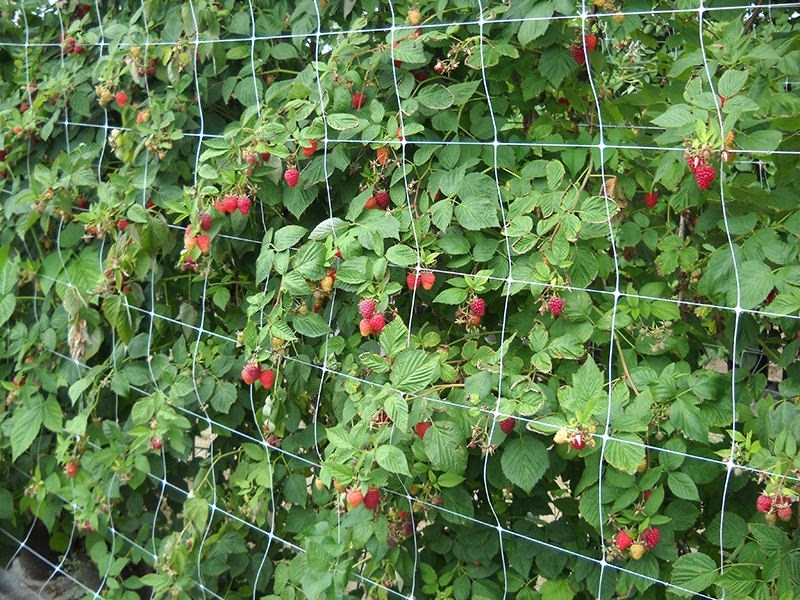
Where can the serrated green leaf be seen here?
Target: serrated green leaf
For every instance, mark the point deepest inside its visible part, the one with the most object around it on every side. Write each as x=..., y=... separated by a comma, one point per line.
x=524, y=461
x=625, y=456
x=445, y=447
x=342, y=121
x=25, y=426
x=676, y=116
x=693, y=572
x=682, y=486
x=402, y=255
x=414, y=370
x=310, y=325
x=392, y=459
x=731, y=82
x=451, y=296
x=288, y=236
x=435, y=96
x=393, y=338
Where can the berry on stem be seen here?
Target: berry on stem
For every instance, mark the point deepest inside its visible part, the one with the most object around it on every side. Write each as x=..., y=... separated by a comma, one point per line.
x=478, y=307
x=372, y=498
x=623, y=540
x=358, y=100
x=355, y=497
x=704, y=175
x=251, y=373
x=412, y=280
x=267, y=378
x=377, y=322
x=382, y=199
x=422, y=427
x=367, y=308
x=555, y=305
x=763, y=503
x=121, y=98
x=651, y=536
x=206, y=221
x=507, y=425
x=651, y=199
x=291, y=176
x=427, y=279
x=243, y=203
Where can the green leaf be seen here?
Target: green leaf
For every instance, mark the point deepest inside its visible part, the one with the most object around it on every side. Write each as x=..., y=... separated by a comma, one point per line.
x=342, y=121
x=310, y=325
x=329, y=227
x=524, y=461
x=476, y=213
x=392, y=459
x=414, y=370
x=536, y=22
x=731, y=82
x=402, y=255
x=625, y=456
x=693, y=573
x=119, y=314
x=435, y=96
x=394, y=337
x=445, y=447
x=451, y=296
x=676, y=116
x=288, y=236
x=555, y=64
x=223, y=398
x=25, y=426
x=682, y=486
x=756, y=282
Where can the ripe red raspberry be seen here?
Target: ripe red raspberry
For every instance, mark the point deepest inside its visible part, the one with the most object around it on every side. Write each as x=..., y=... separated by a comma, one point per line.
x=156, y=443
x=427, y=279
x=507, y=425
x=578, y=55
x=381, y=199
x=364, y=327
x=267, y=378
x=358, y=100
x=121, y=99
x=623, y=541
x=372, y=498
x=122, y=224
x=243, y=203
x=704, y=175
x=578, y=441
x=478, y=307
x=291, y=176
x=784, y=513
x=412, y=280
x=71, y=469
x=651, y=199
x=206, y=221
x=226, y=205
x=204, y=243
x=422, y=427
x=309, y=150
x=556, y=305
x=763, y=503
x=250, y=373
x=367, y=308
x=590, y=41
x=650, y=537
x=377, y=322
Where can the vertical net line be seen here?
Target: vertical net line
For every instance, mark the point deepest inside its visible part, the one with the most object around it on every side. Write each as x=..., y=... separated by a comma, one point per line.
x=606, y=191
x=737, y=310
x=506, y=297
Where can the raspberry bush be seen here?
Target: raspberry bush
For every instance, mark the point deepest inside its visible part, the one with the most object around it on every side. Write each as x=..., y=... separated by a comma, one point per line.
x=386, y=295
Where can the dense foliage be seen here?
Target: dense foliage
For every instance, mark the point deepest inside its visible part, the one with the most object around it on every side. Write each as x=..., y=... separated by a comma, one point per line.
x=357, y=298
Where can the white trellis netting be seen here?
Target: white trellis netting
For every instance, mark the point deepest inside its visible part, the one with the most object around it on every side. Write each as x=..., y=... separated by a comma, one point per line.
x=549, y=249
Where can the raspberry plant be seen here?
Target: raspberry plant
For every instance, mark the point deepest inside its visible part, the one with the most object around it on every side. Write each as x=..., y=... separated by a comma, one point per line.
x=407, y=256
